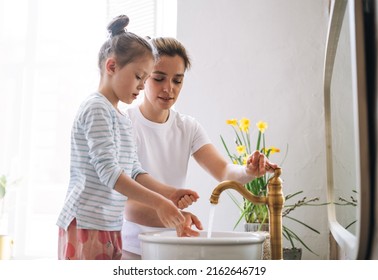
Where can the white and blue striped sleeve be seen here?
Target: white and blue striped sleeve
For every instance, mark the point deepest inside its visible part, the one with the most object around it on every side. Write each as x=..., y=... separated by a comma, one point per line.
x=97, y=124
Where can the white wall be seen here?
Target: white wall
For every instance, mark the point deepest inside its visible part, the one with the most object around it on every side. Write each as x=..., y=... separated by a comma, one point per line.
x=260, y=60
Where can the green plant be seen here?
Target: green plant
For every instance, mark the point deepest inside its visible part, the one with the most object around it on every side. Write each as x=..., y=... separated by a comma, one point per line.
x=351, y=201
x=251, y=212
x=289, y=234
x=3, y=185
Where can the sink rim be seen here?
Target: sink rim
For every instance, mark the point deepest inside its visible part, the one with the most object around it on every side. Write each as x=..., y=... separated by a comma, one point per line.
x=217, y=237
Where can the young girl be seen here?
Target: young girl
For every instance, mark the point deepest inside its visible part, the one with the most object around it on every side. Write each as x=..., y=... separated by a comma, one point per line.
x=178, y=137
x=104, y=165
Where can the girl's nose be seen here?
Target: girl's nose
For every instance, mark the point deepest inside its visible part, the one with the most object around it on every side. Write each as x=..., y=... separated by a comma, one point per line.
x=140, y=86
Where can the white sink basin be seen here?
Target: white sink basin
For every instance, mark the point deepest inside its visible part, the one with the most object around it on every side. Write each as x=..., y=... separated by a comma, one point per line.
x=165, y=245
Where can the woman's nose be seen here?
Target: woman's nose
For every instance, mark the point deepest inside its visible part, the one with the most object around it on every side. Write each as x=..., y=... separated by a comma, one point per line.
x=168, y=86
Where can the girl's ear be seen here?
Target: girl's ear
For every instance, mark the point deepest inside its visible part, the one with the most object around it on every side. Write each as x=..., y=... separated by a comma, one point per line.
x=110, y=65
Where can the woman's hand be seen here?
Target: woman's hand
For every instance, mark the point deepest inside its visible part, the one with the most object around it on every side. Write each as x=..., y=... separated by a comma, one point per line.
x=183, y=198
x=185, y=228
x=258, y=165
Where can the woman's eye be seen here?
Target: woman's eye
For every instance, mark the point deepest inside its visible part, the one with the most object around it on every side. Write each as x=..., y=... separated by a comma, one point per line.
x=138, y=77
x=158, y=79
x=177, y=81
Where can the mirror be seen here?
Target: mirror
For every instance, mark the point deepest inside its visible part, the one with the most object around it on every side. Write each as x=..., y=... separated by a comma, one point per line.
x=347, y=139
x=344, y=149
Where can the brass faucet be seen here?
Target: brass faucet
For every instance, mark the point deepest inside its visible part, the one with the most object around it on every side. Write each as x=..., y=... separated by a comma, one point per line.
x=275, y=201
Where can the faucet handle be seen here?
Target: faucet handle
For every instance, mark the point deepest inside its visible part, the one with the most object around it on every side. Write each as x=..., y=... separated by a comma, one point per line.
x=277, y=172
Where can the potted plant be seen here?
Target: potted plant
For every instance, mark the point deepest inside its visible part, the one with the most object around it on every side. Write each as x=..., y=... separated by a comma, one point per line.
x=6, y=242
x=251, y=213
x=258, y=215
x=294, y=252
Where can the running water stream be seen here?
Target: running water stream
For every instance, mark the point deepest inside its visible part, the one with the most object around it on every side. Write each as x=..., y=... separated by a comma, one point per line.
x=211, y=220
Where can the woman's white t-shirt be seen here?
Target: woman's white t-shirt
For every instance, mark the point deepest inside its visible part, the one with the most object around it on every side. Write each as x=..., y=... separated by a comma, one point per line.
x=164, y=150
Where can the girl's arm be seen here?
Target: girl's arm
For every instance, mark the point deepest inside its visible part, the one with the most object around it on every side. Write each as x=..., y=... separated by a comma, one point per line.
x=167, y=212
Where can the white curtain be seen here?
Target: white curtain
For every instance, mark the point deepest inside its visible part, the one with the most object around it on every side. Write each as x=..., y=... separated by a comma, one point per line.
x=48, y=65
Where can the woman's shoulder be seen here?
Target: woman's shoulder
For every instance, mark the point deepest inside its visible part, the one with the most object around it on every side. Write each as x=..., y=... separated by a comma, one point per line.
x=184, y=119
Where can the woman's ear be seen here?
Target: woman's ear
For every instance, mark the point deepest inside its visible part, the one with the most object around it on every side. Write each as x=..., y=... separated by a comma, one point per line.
x=110, y=65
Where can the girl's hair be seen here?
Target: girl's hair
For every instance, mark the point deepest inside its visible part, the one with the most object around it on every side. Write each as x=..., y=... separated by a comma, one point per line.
x=125, y=46
x=170, y=47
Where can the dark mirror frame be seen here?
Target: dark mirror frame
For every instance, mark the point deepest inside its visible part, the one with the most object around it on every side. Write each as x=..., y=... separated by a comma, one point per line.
x=346, y=245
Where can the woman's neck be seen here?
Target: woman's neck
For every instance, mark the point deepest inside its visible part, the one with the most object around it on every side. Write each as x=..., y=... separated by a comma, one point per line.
x=157, y=116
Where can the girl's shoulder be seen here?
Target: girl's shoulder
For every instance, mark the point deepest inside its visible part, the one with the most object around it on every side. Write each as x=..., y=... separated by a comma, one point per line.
x=95, y=103
x=96, y=100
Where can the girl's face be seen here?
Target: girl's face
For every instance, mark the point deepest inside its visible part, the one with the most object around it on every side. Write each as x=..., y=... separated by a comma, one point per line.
x=129, y=80
x=164, y=85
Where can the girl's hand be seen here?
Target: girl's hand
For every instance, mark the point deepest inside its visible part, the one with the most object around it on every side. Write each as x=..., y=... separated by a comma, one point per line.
x=258, y=165
x=183, y=198
x=185, y=228
x=169, y=214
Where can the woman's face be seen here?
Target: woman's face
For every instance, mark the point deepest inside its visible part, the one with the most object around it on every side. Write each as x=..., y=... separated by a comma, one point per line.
x=164, y=85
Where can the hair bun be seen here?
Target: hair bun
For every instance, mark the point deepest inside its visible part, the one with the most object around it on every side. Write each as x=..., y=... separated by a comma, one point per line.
x=118, y=24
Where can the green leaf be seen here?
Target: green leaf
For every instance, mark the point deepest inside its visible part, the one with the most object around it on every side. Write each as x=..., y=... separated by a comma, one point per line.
x=258, y=141
x=2, y=191
x=352, y=223
x=302, y=223
x=225, y=146
x=287, y=197
x=296, y=237
x=3, y=184
x=3, y=181
x=238, y=141
x=248, y=142
x=287, y=235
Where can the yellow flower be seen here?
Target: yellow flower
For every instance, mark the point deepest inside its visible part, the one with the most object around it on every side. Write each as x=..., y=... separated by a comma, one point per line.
x=233, y=122
x=244, y=124
x=245, y=160
x=274, y=150
x=240, y=149
x=262, y=126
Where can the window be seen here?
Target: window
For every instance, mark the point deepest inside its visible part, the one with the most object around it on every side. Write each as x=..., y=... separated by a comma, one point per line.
x=48, y=66
x=147, y=17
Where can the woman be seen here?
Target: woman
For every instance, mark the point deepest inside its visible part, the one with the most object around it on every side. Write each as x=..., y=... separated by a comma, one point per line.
x=166, y=139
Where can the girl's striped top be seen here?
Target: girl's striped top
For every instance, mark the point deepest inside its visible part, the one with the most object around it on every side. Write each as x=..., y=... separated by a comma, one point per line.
x=102, y=147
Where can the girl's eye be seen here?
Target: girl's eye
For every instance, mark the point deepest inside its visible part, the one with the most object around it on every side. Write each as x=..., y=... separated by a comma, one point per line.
x=177, y=81
x=138, y=77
